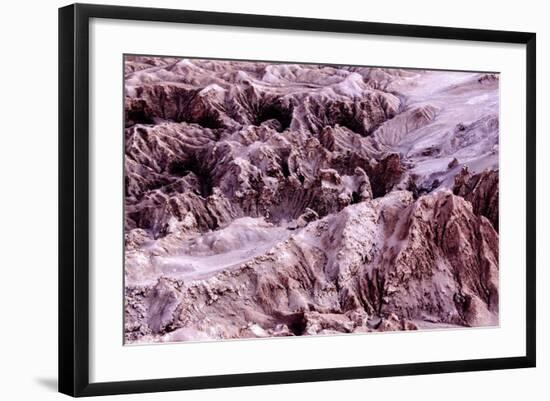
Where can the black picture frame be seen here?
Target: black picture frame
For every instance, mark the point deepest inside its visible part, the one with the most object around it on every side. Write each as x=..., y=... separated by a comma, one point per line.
x=74, y=194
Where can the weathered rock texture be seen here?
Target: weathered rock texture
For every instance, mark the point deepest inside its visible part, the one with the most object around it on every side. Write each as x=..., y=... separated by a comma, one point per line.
x=481, y=190
x=279, y=200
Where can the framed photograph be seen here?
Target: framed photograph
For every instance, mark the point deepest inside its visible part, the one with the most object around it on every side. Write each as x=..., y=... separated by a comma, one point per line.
x=251, y=199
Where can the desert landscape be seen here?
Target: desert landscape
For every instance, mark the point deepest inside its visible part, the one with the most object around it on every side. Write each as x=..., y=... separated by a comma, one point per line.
x=270, y=199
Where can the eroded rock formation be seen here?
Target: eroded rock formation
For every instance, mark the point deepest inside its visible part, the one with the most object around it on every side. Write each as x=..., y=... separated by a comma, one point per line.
x=276, y=200
x=481, y=190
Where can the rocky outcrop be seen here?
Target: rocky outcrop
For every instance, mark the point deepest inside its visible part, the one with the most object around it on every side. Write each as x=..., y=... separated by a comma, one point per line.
x=481, y=190
x=279, y=200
